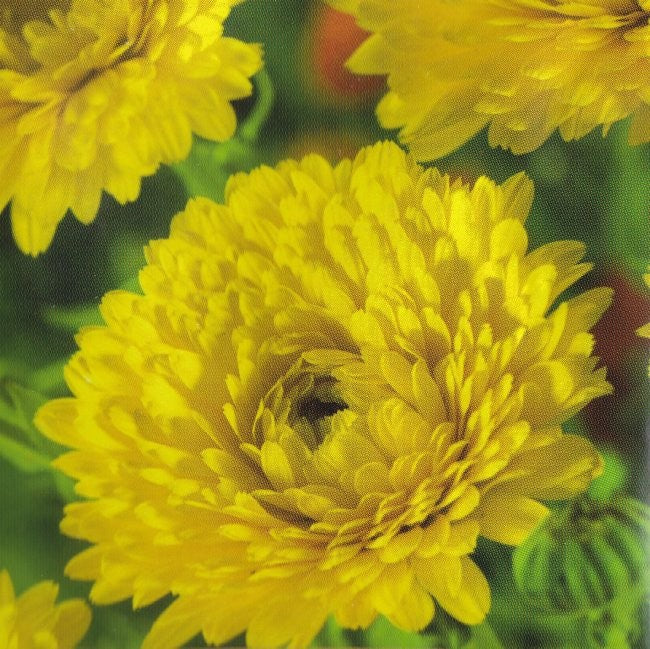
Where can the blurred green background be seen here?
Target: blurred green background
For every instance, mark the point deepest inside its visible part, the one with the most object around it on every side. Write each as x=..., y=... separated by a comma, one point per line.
x=596, y=190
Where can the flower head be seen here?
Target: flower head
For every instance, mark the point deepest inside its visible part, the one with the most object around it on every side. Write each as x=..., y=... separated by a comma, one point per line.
x=331, y=386
x=523, y=67
x=34, y=621
x=94, y=95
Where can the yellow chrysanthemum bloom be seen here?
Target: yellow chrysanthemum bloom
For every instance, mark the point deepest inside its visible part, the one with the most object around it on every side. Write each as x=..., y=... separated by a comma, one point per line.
x=331, y=386
x=94, y=95
x=645, y=330
x=34, y=621
x=523, y=67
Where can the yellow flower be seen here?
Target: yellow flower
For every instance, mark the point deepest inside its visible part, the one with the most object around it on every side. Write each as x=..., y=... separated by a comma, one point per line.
x=331, y=386
x=33, y=621
x=95, y=94
x=645, y=330
x=523, y=67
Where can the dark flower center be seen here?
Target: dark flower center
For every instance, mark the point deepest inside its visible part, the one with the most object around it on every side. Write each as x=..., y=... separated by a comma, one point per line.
x=314, y=408
x=303, y=400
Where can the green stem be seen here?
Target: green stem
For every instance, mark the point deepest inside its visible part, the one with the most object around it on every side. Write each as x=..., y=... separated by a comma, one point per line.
x=627, y=213
x=250, y=128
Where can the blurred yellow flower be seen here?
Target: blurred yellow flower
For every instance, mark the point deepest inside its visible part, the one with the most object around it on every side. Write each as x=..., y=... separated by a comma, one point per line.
x=523, y=67
x=645, y=330
x=95, y=94
x=33, y=621
x=331, y=386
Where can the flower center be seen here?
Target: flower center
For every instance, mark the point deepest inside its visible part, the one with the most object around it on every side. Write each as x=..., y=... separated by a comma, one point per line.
x=313, y=409
x=302, y=401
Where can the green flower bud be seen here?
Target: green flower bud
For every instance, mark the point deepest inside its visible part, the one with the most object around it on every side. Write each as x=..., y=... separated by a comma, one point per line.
x=587, y=555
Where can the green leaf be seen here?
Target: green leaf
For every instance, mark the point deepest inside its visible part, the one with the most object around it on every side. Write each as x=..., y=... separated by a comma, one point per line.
x=615, y=477
x=383, y=634
x=25, y=403
x=23, y=457
x=21, y=444
x=250, y=129
x=120, y=626
x=205, y=171
x=72, y=318
x=9, y=416
x=49, y=378
x=18, y=406
x=331, y=635
x=447, y=632
x=484, y=637
x=443, y=633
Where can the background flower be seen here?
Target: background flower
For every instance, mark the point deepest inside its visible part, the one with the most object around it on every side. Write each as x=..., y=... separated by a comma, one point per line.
x=34, y=621
x=523, y=68
x=94, y=95
x=330, y=388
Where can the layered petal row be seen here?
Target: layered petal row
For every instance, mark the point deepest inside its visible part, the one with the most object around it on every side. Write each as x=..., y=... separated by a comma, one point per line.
x=330, y=386
x=95, y=95
x=522, y=67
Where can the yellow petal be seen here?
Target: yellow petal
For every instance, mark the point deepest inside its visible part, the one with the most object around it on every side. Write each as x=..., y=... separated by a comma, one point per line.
x=470, y=602
x=508, y=518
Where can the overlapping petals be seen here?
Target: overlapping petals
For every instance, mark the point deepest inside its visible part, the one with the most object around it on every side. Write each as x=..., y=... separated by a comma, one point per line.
x=330, y=387
x=522, y=67
x=34, y=621
x=95, y=94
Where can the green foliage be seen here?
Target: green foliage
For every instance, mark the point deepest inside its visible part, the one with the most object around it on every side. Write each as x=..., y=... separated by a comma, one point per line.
x=381, y=633
x=614, y=479
x=209, y=165
x=21, y=444
x=73, y=318
x=448, y=633
x=443, y=633
x=626, y=216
